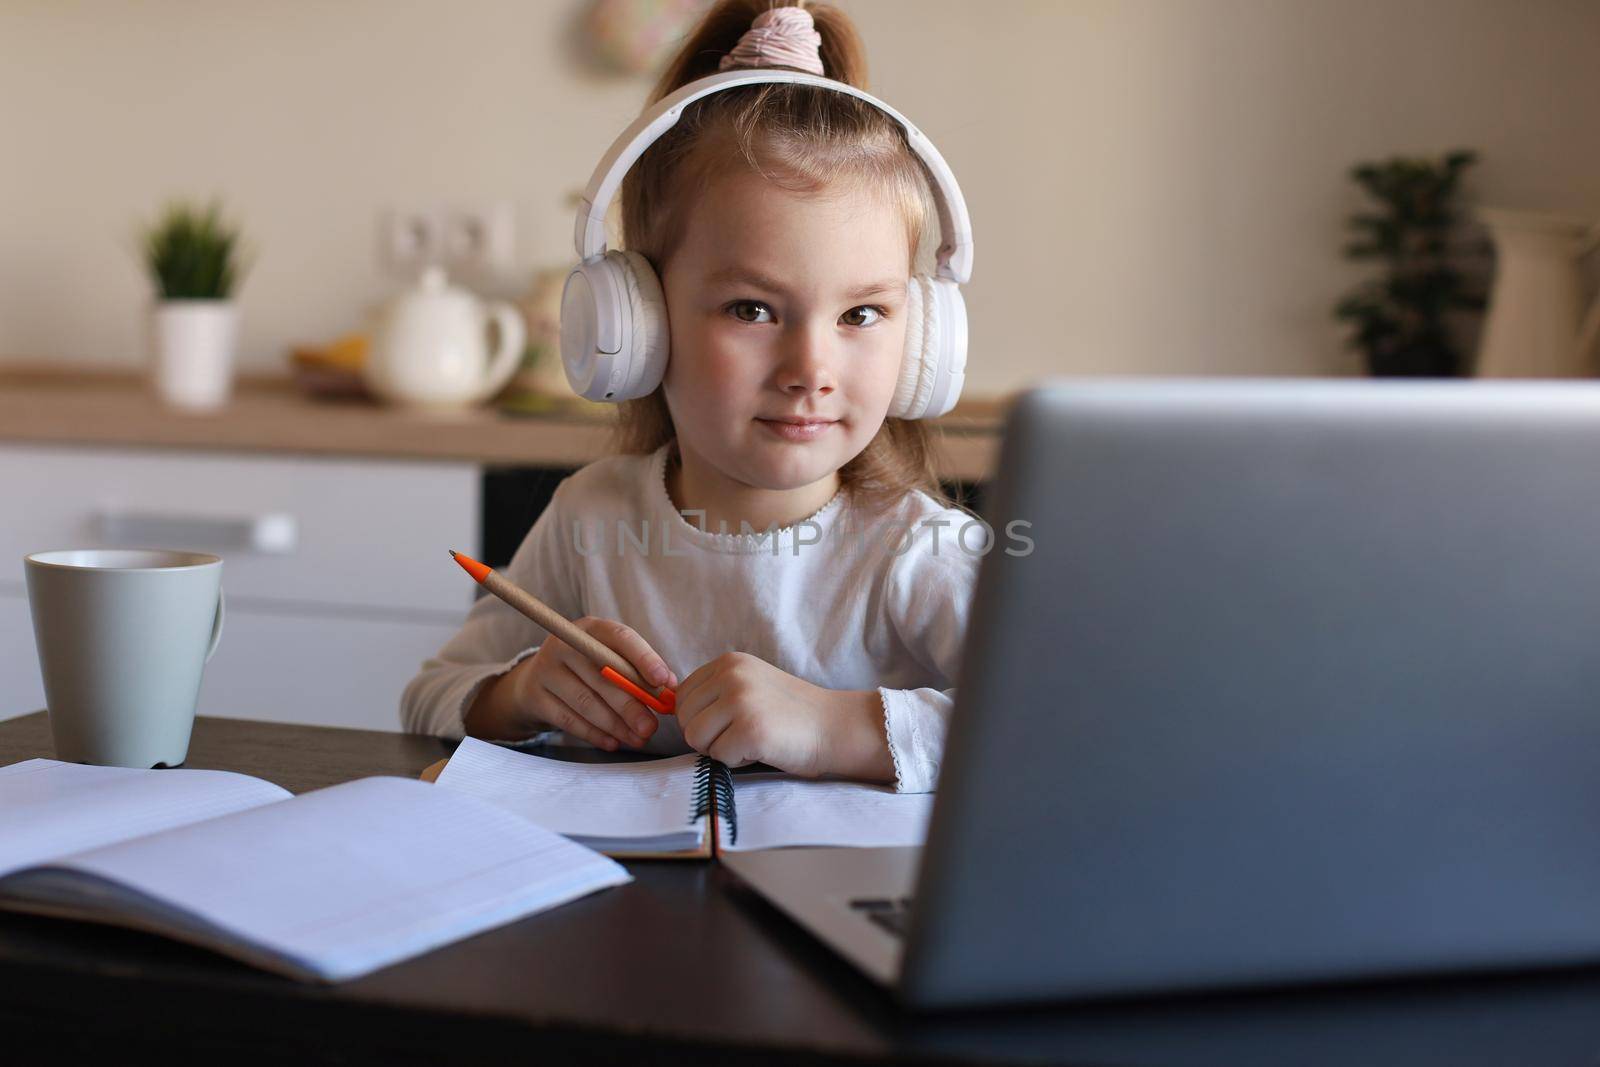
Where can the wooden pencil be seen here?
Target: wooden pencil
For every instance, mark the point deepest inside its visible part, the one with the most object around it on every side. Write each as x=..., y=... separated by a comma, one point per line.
x=600, y=654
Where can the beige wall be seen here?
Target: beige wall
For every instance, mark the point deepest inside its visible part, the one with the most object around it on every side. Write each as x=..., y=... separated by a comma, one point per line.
x=1157, y=186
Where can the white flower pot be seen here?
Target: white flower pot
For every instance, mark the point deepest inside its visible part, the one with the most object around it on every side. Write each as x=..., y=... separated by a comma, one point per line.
x=192, y=343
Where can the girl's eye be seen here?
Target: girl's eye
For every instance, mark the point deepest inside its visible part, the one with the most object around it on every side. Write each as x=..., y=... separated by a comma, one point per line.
x=750, y=311
x=853, y=317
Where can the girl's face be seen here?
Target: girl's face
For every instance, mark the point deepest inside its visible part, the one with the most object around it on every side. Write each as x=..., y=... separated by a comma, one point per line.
x=787, y=319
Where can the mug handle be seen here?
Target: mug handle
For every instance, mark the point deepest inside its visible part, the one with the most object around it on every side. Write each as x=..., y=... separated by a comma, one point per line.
x=216, y=624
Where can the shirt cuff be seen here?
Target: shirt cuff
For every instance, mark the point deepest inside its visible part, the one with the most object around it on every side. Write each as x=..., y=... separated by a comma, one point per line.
x=914, y=722
x=472, y=684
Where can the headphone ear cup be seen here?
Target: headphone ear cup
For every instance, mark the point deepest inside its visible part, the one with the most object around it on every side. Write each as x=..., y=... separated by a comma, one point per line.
x=647, y=312
x=613, y=302
x=934, y=365
x=950, y=366
x=906, y=386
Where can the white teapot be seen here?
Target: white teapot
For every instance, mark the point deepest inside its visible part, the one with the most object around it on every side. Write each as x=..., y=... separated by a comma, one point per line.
x=430, y=346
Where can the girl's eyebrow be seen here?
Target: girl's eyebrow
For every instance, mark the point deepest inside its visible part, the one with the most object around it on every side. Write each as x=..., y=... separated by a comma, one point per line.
x=746, y=276
x=891, y=287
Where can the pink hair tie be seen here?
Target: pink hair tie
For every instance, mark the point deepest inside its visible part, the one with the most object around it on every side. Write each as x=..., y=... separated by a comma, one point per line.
x=779, y=37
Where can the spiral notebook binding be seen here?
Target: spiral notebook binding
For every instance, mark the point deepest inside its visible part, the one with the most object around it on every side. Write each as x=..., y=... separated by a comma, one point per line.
x=713, y=793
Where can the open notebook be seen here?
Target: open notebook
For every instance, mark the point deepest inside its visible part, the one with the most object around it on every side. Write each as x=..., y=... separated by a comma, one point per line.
x=328, y=885
x=684, y=806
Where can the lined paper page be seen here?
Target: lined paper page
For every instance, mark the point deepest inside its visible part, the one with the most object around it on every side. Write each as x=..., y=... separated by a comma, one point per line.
x=776, y=811
x=50, y=809
x=649, y=800
x=343, y=880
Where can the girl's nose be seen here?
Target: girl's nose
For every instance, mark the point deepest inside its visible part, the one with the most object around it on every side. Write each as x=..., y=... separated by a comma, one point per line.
x=807, y=365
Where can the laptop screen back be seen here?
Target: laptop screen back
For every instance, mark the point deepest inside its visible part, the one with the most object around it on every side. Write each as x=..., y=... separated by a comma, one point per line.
x=1298, y=680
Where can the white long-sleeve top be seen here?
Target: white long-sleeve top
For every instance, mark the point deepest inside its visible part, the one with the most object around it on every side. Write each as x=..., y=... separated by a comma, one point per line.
x=846, y=599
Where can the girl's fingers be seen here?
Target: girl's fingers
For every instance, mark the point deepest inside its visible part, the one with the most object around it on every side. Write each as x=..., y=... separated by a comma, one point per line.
x=639, y=719
x=729, y=748
x=706, y=725
x=696, y=678
x=554, y=711
x=585, y=706
x=633, y=648
x=694, y=696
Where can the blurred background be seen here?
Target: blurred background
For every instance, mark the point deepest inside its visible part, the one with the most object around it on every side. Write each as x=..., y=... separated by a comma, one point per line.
x=1157, y=187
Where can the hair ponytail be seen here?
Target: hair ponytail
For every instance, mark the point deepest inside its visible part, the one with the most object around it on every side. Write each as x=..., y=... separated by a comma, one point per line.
x=844, y=56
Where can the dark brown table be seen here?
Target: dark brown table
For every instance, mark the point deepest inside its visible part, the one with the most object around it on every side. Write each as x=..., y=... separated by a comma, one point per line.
x=679, y=966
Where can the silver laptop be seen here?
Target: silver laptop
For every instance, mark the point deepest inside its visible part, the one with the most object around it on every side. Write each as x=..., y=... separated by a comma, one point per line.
x=1300, y=681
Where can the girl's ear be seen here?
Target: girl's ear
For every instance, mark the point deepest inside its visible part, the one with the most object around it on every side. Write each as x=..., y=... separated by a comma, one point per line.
x=614, y=336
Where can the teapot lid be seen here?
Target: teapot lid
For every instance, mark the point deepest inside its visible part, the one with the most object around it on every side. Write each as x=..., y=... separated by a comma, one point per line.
x=431, y=290
x=433, y=284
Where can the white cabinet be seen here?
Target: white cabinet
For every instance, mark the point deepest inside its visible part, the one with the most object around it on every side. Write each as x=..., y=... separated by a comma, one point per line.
x=331, y=670
x=20, y=688
x=336, y=571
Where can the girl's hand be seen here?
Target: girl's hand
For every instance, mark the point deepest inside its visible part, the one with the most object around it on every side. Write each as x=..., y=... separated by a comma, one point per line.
x=741, y=709
x=558, y=687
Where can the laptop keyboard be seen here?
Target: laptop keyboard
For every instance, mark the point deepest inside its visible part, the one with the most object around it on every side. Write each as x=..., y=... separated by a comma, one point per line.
x=891, y=913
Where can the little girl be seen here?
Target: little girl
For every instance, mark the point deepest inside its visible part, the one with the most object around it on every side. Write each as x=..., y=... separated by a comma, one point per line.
x=767, y=529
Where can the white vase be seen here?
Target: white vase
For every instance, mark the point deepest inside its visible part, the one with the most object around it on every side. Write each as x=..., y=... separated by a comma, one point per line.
x=1537, y=326
x=192, y=343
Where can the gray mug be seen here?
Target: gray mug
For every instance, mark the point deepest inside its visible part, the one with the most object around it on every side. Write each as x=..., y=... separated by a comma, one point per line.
x=123, y=635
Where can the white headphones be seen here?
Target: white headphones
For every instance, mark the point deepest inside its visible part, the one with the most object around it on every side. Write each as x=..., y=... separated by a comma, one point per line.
x=614, y=318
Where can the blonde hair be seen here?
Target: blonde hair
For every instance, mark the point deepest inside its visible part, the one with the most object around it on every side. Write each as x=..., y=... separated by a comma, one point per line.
x=803, y=139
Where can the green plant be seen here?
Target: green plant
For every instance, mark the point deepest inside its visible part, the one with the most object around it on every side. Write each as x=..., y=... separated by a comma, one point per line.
x=1402, y=318
x=192, y=253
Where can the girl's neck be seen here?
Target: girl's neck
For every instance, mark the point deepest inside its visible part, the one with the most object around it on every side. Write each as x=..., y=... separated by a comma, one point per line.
x=695, y=485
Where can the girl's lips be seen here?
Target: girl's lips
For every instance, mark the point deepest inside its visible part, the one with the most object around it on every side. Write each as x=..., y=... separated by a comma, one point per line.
x=797, y=431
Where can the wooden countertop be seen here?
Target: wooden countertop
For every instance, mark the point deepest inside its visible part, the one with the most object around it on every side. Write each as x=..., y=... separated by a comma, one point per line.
x=97, y=407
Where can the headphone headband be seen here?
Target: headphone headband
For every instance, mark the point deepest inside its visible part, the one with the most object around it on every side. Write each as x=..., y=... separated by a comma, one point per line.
x=589, y=233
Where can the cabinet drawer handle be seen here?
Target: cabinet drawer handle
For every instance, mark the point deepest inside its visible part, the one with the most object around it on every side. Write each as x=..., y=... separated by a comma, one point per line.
x=273, y=533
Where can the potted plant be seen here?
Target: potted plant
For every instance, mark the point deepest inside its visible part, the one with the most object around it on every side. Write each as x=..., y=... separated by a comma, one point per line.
x=1403, y=318
x=193, y=258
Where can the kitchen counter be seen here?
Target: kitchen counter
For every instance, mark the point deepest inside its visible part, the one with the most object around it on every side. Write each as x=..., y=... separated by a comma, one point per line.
x=267, y=414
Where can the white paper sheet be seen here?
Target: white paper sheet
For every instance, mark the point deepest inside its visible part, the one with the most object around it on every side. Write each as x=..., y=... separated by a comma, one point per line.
x=645, y=802
x=50, y=809
x=350, y=878
x=604, y=803
x=776, y=811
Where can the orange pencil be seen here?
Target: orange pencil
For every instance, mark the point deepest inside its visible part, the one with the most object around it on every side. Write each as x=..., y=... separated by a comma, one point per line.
x=613, y=668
